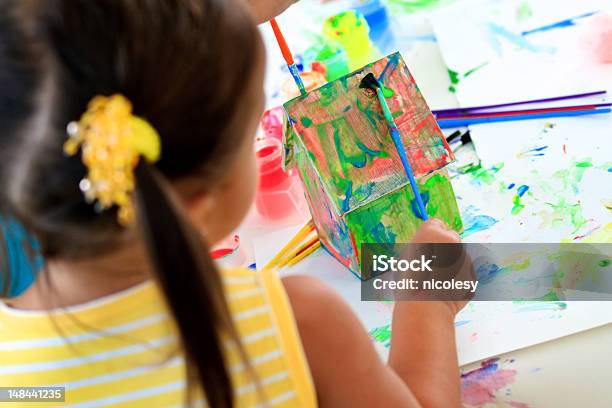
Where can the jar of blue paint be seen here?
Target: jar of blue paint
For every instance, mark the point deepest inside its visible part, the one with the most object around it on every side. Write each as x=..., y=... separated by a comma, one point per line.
x=377, y=17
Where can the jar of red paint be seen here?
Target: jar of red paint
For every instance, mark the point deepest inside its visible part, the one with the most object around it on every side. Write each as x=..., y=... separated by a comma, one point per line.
x=279, y=194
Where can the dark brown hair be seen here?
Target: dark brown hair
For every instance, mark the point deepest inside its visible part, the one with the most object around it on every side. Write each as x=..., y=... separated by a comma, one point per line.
x=183, y=65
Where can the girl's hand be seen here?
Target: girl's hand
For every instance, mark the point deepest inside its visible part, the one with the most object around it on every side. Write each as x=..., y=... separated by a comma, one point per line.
x=434, y=231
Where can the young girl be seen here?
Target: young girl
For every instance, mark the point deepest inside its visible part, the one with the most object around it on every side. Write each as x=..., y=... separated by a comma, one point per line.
x=131, y=125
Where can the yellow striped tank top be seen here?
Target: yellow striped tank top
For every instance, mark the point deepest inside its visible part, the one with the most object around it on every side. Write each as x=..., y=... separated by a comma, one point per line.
x=123, y=350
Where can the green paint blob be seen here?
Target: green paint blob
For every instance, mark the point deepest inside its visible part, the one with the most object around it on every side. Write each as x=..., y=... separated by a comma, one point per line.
x=306, y=121
x=414, y=6
x=524, y=12
x=480, y=175
x=350, y=29
x=518, y=206
x=471, y=71
x=381, y=334
x=562, y=211
x=454, y=79
x=549, y=297
x=584, y=164
x=455, y=76
x=387, y=92
x=604, y=263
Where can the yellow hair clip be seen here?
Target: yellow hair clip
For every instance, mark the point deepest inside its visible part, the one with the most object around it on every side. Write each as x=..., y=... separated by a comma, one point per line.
x=112, y=140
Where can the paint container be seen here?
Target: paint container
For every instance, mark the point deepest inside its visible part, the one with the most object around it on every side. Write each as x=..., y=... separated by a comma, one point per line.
x=351, y=30
x=280, y=196
x=228, y=253
x=272, y=123
x=332, y=56
x=311, y=79
x=377, y=17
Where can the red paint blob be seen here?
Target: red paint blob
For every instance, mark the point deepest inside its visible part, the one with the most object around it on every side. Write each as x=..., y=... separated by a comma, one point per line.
x=598, y=38
x=226, y=247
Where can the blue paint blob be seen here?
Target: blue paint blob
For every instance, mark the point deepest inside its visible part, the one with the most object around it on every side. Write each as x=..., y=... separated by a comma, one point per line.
x=382, y=233
x=487, y=369
x=348, y=194
x=461, y=322
x=610, y=170
x=253, y=266
x=415, y=206
x=511, y=186
x=485, y=273
x=360, y=164
x=296, y=77
x=391, y=65
x=474, y=222
x=499, y=31
x=365, y=191
x=539, y=149
x=522, y=190
x=477, y=224
x=560, y=24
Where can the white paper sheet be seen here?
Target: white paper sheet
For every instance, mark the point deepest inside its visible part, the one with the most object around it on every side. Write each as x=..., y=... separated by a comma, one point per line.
x=522, y=67
x=483, y=329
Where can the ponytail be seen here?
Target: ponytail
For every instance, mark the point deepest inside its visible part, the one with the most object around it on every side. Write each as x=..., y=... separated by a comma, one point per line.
x=191, y=284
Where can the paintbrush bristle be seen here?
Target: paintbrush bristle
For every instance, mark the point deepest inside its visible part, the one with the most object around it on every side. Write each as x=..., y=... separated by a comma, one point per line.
x=369, y=82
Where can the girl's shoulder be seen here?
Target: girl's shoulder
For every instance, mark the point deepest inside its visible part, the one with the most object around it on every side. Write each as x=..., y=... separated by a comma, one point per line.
x=265, y=323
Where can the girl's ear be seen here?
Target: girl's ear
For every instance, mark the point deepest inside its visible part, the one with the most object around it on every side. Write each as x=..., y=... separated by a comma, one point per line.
x=200, y=207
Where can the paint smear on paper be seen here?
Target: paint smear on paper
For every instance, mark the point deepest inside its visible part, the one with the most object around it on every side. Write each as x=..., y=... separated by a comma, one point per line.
x=474, y=222
x=534, y=152
x=479, y=175
x=480, y=386
x=454, y=80
x=559, y=24
x=562, y=212
x=497, y=32
x=455, y=77
x=487, y=272
x=516, y=201
x=537, y=306
x=413, y=6
x=601, y=38
x=382, y=335
x=523, y=12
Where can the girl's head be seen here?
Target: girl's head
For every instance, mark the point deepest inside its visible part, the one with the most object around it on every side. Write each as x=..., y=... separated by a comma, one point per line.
x=193, y=69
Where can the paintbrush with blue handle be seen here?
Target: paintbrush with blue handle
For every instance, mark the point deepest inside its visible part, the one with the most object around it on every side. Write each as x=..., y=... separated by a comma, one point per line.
x=282, y=44
x=370, y=82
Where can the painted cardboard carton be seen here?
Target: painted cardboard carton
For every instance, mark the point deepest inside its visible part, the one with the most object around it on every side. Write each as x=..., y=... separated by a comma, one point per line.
x=356, y=187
